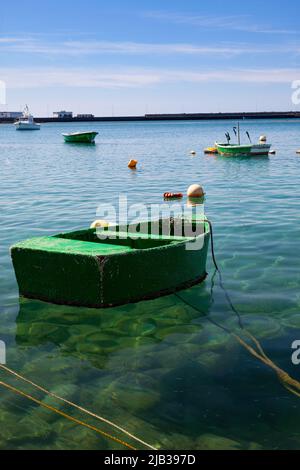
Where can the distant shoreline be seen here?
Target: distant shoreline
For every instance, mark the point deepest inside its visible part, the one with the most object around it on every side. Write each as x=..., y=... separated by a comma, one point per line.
x=171, y=117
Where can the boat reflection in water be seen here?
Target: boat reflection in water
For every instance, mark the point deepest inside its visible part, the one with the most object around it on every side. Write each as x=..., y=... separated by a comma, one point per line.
x=99, y=336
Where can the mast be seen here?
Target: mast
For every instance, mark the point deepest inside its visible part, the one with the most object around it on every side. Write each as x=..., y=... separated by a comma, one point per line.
x=239, y=134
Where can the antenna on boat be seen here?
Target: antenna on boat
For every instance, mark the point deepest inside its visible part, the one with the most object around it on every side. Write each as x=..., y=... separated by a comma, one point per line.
x=248, y=135
x=26, y=110
x=239, y=134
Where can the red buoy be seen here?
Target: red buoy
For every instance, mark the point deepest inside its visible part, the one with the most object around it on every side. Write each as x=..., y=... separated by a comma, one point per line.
x=173, y=195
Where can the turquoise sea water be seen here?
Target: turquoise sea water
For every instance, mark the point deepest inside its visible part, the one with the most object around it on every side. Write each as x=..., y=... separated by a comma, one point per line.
x=161, y=369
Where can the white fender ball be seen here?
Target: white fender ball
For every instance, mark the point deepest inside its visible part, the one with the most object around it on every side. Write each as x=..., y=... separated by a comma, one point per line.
x=195, y=190
x=100, y=224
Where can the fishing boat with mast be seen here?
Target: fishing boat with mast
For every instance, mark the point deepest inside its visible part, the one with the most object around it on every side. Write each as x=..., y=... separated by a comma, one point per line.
x=26, y=122
x=243, y=150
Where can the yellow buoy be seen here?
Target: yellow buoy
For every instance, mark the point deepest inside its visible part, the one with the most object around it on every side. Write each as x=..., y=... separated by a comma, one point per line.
x=100, y=224
x=211, y=150
x=132, y=164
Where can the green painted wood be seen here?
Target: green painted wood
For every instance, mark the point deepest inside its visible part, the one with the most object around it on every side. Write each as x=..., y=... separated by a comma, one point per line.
x=78, y=268
x=83, y=138
x=234, y=150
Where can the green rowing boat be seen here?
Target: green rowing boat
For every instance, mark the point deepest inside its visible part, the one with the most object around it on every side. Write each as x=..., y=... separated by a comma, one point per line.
x=108, y=266
x=81, y=137
x=228, y=150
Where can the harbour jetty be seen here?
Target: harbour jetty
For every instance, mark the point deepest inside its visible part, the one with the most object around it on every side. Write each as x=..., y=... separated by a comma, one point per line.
x=168, y=117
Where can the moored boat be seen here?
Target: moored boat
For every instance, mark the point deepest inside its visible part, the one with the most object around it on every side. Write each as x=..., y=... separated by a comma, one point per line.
x=81, y=137
x=113, y=265
x=27, y=122
x=242, y=150
x=234, y=150
x=260, y=149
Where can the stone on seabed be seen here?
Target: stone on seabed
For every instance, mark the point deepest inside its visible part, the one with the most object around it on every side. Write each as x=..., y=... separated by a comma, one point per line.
x=213, y=442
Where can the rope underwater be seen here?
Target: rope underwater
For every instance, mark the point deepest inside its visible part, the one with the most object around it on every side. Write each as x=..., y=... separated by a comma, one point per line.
x=74, y=405
x=80, y=408
x=292, y=385
x=65, y=415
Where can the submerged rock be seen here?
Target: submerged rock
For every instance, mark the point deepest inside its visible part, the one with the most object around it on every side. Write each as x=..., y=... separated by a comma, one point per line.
x=292, y=321
x=175, y=441
x=262, y=327
x=135, y=399
x=133, y=392
x=74, y=436
x=177, y=334
x=136, y=327
x=210, y=360
x=214, y=442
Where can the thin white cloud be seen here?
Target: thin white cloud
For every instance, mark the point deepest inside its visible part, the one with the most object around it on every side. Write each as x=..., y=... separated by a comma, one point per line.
x=234, y=22
x=78, y=78
x=8, y=40
x=133, y=48
x=137, y=77
x=83, y=48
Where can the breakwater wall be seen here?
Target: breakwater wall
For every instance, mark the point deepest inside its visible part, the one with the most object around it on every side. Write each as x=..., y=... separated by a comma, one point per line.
x=172, y=117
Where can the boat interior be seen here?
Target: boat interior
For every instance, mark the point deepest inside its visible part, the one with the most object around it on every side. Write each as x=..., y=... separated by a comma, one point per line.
x=142, y=235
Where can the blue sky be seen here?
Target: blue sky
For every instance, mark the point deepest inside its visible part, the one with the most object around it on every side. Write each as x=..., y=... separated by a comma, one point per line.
x=131, y=57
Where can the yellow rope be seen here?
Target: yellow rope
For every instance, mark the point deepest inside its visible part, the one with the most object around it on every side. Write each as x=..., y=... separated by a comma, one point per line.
x=65, y=415
x=257, y=343
x=287, y=381
x=292, y=391
x=84, y=410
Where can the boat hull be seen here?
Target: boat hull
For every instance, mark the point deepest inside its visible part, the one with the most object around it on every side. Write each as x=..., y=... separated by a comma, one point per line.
x=81, y=138
x=243, y=150
x=234, y=150
x=79, y=269
x=260, y=149
x=27, y=127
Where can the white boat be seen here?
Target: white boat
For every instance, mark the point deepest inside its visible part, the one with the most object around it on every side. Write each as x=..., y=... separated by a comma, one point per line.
x=260, y=149
x=26, y=122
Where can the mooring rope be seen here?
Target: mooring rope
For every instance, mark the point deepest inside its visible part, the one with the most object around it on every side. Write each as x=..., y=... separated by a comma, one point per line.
x=286, y=380
x=218, y=270
x=74, y=405
x=65, y=415
x=292, y=385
